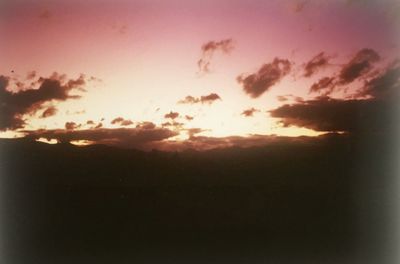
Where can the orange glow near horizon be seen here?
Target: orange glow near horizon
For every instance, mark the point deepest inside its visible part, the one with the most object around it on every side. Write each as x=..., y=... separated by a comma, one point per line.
x=146, y=57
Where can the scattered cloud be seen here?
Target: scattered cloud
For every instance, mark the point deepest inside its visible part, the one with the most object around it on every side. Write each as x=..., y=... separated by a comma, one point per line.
x=384, y=85
x=360, y=64
x=318, y=62
x=358, y=68
x=208, y=49
x=249, y=112
x=285, y=98
x=325, y=85
x=121, y=121
x=373, y=114
x=15, y=103
x=268, y=75
x=209, y=99
x=71, y=125
x=172, y=115
x=50, y=111
x=146, y=125
x=175, y=125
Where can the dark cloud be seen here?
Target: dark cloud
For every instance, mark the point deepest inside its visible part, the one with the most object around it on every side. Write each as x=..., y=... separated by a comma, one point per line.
x=15, y=104
x=324, y=85
x=249, y=112
x=71, y=125
x=212, y=97
x=146, y=125
x=268, y=75
x=123, y=137
x=384, y=85
x=189, y=100
x=121, y=121
x=90, y=122
x=358, y=68
x=327, y=114
x=172, y=115
x=360, y=64
x=285, y=98
x=174, y=125
x=208, y=49
x=50, y=111
x=315, y=64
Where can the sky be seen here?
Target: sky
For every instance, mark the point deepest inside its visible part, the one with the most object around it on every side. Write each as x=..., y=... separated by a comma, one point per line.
x=195, y=74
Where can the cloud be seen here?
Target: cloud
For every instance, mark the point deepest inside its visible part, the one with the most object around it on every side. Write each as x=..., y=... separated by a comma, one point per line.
x=315, y=64
x=285, y=98
x=146, y=125
x=171, y=115
x=357, y=68
x=121, y=121
x=71, y=125
x=123, y=137
x=249, y=112
x=90, y=122
x=176, y=125
x=325, y=85
x=14, y=104
x=384, y=85
x=211, y=98
x=328, y=114
x=208, y=49
x=50, y=111
x=360, y=64
x=268, y=75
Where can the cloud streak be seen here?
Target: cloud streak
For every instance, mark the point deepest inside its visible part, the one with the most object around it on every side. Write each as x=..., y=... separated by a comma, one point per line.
x=267, y=76
x=122, y=137
x=208, y=50
x=206, y=99
x=315, y=64
x=121, y=121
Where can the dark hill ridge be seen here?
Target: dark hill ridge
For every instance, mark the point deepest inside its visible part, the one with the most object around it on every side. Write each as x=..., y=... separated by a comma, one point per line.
x=313, y=200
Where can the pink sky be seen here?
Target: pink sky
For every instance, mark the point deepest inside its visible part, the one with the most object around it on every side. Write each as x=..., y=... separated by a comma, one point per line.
x=144, y=54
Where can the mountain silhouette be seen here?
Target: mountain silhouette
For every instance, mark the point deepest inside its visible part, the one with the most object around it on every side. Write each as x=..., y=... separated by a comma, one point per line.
x=314, y=200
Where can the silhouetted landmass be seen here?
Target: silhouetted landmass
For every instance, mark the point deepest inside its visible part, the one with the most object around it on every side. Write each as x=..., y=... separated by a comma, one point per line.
x=322, y=200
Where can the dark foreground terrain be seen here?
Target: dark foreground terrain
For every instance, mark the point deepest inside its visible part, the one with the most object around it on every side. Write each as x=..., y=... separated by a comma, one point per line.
x=325, y=200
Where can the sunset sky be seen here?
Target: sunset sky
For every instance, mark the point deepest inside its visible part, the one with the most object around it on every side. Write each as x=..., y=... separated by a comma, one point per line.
x=198, y=74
